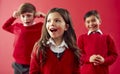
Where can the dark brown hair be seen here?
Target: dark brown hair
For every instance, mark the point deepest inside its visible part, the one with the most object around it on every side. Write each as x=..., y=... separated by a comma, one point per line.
x=90, y=13
x=27, y=7
x=69, y=35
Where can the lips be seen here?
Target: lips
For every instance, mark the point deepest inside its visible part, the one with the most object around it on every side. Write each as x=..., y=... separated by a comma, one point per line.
x=53, y=30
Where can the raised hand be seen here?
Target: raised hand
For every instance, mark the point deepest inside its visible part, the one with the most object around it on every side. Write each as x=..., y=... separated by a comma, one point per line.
x=16, y=14
x=40, y=14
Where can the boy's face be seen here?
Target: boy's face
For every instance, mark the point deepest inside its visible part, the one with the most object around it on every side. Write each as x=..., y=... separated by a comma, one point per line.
x=92, y=23
x=27, y=18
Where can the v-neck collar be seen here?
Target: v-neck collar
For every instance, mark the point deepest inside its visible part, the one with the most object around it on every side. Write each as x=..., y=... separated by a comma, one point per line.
x=54, y=56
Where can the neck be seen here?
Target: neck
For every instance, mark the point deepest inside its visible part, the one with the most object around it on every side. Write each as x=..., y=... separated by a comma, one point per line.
x=58, y=41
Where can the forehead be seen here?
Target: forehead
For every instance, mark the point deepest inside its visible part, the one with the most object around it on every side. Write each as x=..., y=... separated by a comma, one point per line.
x=54, y=15
x=27, y=13
x=91, y=17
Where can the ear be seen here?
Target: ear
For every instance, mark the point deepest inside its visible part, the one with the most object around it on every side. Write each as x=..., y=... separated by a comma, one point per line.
x=66, y=27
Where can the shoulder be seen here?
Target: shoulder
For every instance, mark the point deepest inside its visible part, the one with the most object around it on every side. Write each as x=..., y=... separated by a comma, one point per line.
x=82, y=35
x=85, y=34
x=39, y=23
x=36, y=48
x=107, y=35
x=18, y=25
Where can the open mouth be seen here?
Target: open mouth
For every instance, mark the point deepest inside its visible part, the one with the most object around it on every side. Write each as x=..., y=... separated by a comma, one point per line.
x=53, y=30
x=27, y=22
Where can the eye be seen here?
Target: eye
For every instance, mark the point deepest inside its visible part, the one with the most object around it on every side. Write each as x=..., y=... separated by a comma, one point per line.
x=93, y=20
x=57, y=20
x=23, y=16
x=48, y=21
x=29, y=15
x=88, y=22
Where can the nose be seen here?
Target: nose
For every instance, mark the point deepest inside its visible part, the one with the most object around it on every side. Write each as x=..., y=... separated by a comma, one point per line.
x=26, y=18
x=91, y=23
x=52, y=23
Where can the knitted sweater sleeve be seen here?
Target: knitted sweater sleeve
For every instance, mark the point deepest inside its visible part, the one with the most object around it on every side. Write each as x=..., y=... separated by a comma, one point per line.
x=8, y=24
x=84, y=58
x=112, y=52
x=35, y=62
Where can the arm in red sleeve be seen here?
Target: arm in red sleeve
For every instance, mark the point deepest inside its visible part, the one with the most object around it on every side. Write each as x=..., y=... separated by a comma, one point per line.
x=35, y=62
x=112, y=52
x=8, y=25
x=84, y=58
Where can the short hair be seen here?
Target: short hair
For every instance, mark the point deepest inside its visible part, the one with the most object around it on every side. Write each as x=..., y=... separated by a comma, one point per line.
x=90, y=13
x=27, y=7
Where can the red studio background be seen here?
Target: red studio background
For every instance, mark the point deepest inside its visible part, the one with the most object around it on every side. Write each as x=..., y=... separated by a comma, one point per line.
x=108, y=9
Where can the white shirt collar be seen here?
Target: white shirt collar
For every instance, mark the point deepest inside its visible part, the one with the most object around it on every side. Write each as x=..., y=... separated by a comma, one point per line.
x=51, y=42
x=57, y=49
x=89, y=32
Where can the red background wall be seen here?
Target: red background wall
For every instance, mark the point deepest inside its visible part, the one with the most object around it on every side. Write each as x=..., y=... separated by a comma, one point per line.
x=108, y=9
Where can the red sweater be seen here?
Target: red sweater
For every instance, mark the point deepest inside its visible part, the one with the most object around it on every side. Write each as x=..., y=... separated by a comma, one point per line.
x=25, y=37
x=96, y=44
x=66, y=65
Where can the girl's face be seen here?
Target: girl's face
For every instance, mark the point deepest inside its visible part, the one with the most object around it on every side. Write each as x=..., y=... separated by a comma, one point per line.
x=92, y=23
x=27, y=18
x=55, y=25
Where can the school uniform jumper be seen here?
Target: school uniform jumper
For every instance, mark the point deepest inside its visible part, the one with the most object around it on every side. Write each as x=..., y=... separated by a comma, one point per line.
x=25, y=37
x=96, y=44
x=53, y=65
